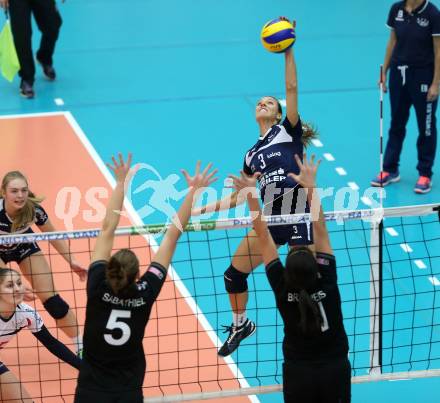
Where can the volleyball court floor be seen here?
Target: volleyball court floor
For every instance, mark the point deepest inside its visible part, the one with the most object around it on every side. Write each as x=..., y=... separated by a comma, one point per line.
x=176, y=82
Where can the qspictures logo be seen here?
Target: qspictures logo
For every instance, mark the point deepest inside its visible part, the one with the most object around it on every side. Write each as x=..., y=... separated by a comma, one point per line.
x=156, y=199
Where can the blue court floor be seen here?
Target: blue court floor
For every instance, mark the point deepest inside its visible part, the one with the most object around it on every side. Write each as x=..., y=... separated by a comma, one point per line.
x=176, y=81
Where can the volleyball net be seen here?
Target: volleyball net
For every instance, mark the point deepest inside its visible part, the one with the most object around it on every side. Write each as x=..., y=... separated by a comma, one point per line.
x=389, y=278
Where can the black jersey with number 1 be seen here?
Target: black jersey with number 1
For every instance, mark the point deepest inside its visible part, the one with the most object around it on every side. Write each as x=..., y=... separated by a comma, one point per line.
x=332, y=341
x=114, y=357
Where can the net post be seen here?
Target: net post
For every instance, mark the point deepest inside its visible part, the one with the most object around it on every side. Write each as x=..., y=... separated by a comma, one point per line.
x=381, y=91
x=376, y=259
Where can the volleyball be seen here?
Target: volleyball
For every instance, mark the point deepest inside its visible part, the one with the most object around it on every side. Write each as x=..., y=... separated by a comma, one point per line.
x=278, y=35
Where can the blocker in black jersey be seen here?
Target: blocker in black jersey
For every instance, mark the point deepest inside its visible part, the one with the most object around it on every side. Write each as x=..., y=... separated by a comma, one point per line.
x=315, y=346
x=317, y=365
x=114, y=357
x=118, y=305
x=332, y=341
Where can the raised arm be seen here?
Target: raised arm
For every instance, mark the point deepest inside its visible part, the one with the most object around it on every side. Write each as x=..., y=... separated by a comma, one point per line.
x=245, y=185
x=307, y=179
x=228, y=202
x=168, y=245
x=291, y=86
x=104, y=242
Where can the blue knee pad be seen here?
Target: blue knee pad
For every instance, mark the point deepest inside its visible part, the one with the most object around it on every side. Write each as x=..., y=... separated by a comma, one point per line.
x=56, y=306
x=235, y=281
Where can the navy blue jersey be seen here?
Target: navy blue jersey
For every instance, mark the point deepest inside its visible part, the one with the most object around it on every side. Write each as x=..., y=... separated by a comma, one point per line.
x=6, y=225
x=272, y=156
x=332, y=341
x=414, y=32
x=114, y=357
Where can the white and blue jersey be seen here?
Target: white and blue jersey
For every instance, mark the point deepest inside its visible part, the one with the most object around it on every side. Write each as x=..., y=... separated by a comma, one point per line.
x=273, y=157
x=24, y=316
x=19, y=252
x=27, y=317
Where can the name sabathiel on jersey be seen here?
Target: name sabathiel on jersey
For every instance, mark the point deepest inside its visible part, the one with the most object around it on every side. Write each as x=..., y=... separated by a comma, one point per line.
x=126, y=303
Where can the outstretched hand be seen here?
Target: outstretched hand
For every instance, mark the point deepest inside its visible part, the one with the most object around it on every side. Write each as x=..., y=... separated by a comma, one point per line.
x=200, y=179
x=120, y=168
x=293, y=22
x=245, y=181
x=307, y=171
x=80, y=271
x=289, y=51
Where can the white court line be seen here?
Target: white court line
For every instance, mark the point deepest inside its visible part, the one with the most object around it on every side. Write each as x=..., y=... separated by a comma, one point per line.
x=328, y=157
x=32, y=115
x=420, y=264
x=282, y=102
x=391, y=231
x=399, y=380
x=366, y=200
x=317, y=143
x=406, y=247
x=152, y=242
x=434, y=280
x=341, y=171
x=353, y=185
x=58, y=101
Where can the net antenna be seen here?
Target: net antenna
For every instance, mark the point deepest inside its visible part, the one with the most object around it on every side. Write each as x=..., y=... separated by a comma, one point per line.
x=381, y=91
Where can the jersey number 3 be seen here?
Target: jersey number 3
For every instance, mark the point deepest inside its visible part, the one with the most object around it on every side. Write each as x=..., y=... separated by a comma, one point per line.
x=263, y=163
x=114, y=323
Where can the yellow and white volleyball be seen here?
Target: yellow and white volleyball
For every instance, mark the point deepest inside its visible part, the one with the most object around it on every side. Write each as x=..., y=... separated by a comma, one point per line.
x=278, y=35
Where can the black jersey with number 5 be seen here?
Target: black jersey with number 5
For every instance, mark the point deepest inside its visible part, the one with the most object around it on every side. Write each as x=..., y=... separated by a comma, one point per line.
x=114, y=328
x=332, y=340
